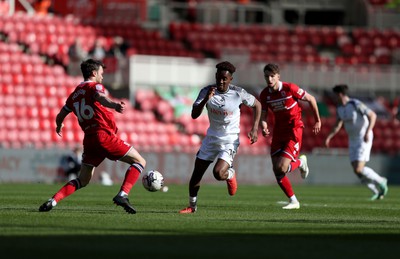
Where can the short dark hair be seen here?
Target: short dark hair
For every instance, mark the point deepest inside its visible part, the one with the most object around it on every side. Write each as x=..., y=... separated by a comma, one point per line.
x=90, y=65
x=273, y=68
x=226, y=66
x=340, y=89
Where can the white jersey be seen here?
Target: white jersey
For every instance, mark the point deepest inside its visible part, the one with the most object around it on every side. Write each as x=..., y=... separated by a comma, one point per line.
x=354, y=117
x=355, y=121
x=224, y=109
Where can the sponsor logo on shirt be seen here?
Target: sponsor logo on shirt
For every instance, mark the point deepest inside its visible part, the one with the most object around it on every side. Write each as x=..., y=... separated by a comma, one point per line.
x=221, y=112
x=278, y=105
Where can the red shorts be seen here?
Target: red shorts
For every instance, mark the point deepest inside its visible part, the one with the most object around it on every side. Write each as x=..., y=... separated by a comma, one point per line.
x=101, y=145
x=287, y=143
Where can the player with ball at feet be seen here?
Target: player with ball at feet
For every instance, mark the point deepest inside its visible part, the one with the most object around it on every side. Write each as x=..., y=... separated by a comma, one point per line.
x=90, y=104
x=222, y=101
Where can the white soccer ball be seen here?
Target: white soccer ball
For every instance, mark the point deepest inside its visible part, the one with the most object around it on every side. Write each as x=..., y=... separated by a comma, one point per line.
x=153, y=181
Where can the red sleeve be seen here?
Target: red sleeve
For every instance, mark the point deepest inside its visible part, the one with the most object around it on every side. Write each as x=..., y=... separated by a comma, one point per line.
x=296, y=91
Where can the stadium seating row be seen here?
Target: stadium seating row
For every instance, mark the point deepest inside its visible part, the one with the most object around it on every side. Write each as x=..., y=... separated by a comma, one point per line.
x=32, y=92
x=299, y=44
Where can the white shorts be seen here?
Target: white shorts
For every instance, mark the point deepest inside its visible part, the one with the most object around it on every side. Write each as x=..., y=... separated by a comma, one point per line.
x=359, y=150
x=224, y=148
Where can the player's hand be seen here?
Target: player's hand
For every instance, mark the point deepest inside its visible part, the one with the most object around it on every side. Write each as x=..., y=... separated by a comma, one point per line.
x=253, y=136
x=265, y=132
x=366, y=137
x=211, y=92
x=317, y=127
x=59, y=129
x=120, y=107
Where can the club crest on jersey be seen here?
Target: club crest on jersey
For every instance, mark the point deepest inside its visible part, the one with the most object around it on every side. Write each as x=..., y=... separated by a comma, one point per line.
x=99, y=87
x=283, y=94
x=220, y=101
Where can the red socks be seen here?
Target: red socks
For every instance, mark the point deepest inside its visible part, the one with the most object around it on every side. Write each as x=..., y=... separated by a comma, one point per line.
x=68, y=189
x=294, y=165
x=131, y=176
x=286, y=186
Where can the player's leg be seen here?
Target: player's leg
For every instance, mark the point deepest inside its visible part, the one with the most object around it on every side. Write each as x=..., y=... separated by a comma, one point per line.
x=292, y=151
x=137, y=164
x=379, y=181
x=116, y=149
x=200, y=167
x=220, y=170
x=85, y=175
x=223, y=170
x=204, y=157
x=360, y=154
x=358, y=168
x=374, y=182
x=280, y=167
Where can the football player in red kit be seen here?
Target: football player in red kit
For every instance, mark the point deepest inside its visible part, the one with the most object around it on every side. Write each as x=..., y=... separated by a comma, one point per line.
x=90, y=104
x=282, y=99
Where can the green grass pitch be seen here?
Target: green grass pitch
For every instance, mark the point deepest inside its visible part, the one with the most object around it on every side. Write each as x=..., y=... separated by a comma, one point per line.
x=333, y=222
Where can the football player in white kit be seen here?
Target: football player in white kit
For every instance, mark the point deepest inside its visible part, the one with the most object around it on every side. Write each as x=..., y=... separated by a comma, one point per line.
x=222, y=101
x=358, y=121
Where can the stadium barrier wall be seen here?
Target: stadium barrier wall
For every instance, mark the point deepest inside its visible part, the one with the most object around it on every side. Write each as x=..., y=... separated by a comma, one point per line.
x=41, y=166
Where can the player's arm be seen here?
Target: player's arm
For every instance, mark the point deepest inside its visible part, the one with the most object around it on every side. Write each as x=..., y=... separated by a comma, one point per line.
x=60, y=119
x=335, y=129
x=311, y=100
x=197, y=108
x=107, y=102
x=256, y=121
x=372, y=120
x=264, y=124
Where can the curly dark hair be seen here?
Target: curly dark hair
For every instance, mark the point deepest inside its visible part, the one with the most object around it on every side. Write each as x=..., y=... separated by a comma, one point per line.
x=90, y=65
x=273, y=68
x=226, y=66
x=340, y=89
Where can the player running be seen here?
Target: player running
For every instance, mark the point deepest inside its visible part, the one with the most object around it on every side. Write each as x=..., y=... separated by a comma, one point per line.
x=358, y=121
x=90, y=103
x=282, y=99
x=222, y=101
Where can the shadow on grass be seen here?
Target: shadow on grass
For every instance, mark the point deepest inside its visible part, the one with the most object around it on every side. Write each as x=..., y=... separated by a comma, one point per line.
x=200, y=246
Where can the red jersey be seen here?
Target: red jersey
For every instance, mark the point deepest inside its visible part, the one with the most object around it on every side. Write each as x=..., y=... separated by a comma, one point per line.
x=284, y=104
x=92, y=116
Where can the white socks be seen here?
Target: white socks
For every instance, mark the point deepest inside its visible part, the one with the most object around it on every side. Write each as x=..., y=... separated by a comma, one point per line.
x=193, y=202
x=293, y=199
x=122, y=194
x=231, y=173
x=371, y=179
x=371, y=175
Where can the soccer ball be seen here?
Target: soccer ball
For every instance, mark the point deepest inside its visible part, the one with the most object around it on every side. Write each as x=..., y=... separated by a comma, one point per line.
x=153, y=181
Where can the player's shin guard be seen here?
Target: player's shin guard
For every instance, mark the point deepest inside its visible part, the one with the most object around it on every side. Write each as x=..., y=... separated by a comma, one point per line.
x=285, y=185
x=68, y=189
x=131, y=176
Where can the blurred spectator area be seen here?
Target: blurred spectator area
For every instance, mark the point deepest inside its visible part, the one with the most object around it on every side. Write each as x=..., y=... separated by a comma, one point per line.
x=34, y=89
x=51, y=36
